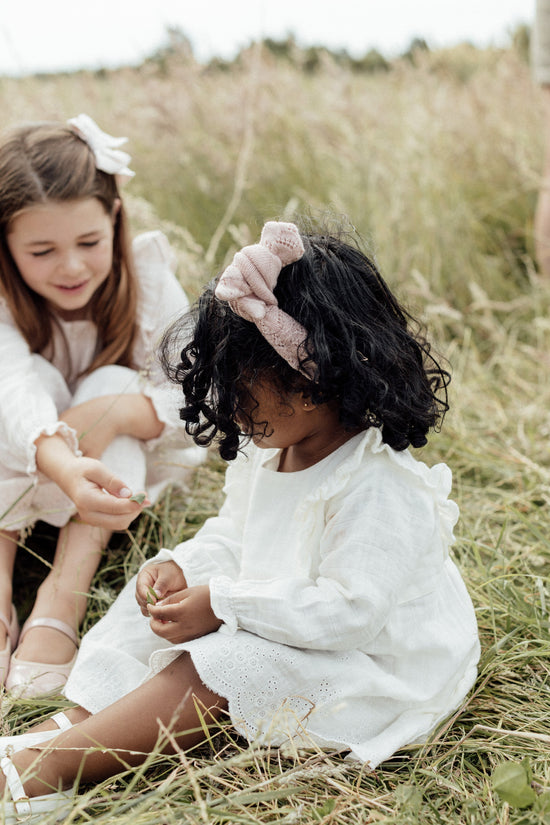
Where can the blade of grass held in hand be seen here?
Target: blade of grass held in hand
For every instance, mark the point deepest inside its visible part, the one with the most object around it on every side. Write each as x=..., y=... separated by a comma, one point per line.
x=152, y=597
x=138, y=497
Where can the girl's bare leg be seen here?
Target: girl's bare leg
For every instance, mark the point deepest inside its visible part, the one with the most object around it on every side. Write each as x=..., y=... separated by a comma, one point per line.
x=8, y=550
x=125, y=733
x=64, y=592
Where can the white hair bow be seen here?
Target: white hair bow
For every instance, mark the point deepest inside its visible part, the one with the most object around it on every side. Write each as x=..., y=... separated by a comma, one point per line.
x=108, y=157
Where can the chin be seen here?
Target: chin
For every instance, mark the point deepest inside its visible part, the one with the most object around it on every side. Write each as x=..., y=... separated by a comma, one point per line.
x=261, y=441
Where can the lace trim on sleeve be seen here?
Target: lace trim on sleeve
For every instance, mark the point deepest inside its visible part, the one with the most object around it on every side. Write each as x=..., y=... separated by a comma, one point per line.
x=59, y=428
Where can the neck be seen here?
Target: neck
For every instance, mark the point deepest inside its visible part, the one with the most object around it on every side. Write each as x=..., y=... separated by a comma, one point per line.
x=312, y=450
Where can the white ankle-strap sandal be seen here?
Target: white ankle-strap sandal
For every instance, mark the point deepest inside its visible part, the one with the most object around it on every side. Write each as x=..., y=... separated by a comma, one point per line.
x=29, y=809
x=12, y=744
x=28, y=679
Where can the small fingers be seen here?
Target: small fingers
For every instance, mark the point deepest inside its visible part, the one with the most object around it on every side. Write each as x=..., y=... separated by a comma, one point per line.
x=99, y=474
x=111, y=483
x=143, y=582
x=99, y=503
x=171, y=609
x=110, y=521
x=169, y=580
x=166, y=630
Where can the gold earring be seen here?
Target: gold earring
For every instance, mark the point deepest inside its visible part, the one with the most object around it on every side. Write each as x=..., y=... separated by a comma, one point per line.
x=306, y=405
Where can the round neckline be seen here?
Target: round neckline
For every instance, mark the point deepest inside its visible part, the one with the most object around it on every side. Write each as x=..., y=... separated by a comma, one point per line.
x=66, y=323
x=347, y=448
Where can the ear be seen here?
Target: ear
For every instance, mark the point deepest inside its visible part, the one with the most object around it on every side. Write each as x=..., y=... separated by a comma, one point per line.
x=307, y=403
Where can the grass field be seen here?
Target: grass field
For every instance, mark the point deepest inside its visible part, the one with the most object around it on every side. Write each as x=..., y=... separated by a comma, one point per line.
x=436, y=162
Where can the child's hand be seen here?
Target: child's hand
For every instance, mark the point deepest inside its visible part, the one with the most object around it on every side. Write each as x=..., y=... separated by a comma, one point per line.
x=161, y=579
x=184, y=616
x=100, y=498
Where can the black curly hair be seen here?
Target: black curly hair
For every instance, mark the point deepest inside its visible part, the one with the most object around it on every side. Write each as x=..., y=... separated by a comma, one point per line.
x=367, y=353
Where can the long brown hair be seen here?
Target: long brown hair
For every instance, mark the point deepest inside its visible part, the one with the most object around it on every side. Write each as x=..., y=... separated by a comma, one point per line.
x=48, y=162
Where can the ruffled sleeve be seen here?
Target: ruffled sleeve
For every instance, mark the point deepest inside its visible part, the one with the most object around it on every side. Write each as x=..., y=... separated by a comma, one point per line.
x=162, y=300
x=28, y=409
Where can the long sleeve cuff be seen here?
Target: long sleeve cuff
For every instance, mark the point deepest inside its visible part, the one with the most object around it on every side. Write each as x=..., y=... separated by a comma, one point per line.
x=221, y=602
x=58, y=428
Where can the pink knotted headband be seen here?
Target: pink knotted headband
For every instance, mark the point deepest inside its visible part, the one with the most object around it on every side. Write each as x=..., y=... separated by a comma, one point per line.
x=248, y=284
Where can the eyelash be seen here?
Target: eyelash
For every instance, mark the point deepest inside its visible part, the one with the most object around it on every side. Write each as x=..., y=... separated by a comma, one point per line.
x=86, y=244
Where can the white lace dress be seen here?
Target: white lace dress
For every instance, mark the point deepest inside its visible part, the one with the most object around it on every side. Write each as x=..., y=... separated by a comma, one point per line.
x=345, y=622
x=35, y=389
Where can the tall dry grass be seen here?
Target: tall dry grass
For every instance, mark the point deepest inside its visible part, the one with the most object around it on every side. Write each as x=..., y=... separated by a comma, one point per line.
x=437, y=164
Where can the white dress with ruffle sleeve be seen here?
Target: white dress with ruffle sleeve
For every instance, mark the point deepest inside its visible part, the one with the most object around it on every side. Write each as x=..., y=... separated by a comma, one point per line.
x=345, y=622
x=36, y=389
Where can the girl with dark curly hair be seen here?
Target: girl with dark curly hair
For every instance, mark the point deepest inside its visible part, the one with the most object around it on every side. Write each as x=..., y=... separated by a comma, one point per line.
x=359, y=356
x=320, y=606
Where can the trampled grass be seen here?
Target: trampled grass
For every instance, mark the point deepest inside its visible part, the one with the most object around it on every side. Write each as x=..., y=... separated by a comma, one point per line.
x=436, y=163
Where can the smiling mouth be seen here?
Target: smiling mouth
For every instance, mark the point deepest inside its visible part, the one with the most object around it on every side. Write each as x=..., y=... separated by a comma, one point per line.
x=73, y=288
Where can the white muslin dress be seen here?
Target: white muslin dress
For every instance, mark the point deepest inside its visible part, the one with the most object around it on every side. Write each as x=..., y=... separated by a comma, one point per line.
x=345, y=622
x=36, y=389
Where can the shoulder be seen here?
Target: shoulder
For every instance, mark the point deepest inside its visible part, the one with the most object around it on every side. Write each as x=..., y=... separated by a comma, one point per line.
x=244, y=467
x=395, y=484
x=374, y=458
x=5, y=313
x=385, y=476
x=151, y=249
x=161, y=294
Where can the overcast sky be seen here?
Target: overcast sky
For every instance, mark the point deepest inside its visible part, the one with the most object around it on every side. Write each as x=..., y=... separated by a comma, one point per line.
x=51, y=35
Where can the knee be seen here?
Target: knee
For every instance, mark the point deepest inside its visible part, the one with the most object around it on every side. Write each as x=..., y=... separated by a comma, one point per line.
x=105, y=381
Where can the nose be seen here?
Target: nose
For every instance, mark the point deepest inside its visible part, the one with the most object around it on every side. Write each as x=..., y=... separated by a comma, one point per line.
x=71, y=264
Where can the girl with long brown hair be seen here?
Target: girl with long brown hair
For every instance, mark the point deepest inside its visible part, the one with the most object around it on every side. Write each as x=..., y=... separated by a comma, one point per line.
x=81, y=310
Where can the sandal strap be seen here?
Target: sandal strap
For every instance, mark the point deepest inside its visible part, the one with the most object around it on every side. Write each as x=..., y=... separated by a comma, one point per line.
x=20, y=798
x=55, y=624
x=62, y=720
